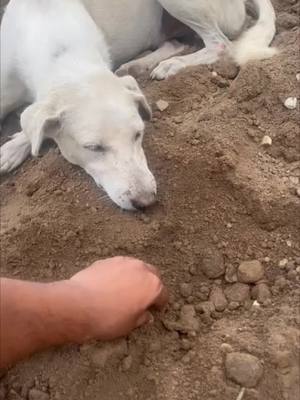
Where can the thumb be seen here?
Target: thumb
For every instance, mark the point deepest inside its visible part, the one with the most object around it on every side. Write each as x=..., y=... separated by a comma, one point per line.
x=145, y=318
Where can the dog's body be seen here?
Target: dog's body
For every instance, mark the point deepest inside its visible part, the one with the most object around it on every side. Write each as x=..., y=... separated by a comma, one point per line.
x=58, y=55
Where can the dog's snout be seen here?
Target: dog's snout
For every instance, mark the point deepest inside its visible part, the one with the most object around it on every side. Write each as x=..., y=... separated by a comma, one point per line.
x=143, y=200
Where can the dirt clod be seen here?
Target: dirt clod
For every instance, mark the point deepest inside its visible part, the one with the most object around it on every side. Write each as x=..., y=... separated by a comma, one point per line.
x=212, y=263
x=244, y=369
x=250, y=271
x=218, y=299
x=261, y=292
x=238, y=292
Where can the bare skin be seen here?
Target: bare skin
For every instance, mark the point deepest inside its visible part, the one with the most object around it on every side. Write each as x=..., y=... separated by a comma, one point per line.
x=105, y=301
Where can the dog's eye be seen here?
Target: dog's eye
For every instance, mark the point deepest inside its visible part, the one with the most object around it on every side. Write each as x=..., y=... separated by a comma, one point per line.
x=96, y=147
x=137, y=136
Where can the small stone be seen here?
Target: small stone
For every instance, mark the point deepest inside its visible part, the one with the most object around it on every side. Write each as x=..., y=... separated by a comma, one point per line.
x=261, y=292
x=212, y=263
x=291, y=103
x=186, y=344
x=231, y=274
x=298, y=191
x=218, y=299
x=250, y=271
x=186, y=290
x=294, y=180
x=162, y=105
x=233, y=305
x=35, y=394
x=244, y=369
x=226, y=348
x=281, y=283
x=188, y=318
x=298, y=77
x=266, y=141
x=283, y=263
x=238, y=292
x=207, y=307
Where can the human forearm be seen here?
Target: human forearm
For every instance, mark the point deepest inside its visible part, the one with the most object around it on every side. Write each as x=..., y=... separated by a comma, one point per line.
x=36, y=316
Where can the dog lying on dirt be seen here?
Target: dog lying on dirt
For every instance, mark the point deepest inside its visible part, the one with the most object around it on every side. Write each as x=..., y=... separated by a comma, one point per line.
x=58, y=56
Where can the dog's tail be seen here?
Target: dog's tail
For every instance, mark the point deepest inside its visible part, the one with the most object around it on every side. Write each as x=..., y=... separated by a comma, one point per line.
x=254, y=43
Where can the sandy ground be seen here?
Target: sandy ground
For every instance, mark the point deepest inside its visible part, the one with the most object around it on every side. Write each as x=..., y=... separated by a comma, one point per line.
x=224, y=199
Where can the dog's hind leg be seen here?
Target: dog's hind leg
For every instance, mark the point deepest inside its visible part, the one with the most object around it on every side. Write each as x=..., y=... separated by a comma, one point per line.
x=150, y=61
x=215, y=46
x=213, y=21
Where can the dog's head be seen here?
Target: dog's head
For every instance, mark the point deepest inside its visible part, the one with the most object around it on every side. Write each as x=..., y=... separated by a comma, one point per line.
x=99, y=125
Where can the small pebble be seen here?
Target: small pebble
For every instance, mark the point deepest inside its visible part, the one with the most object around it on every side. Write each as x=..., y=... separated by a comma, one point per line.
x=233, y=305
x=162, y=105
x=218, y=299
x=298, y=77
x=283, y=263
x=266, y=141
x=226, y=348
x=291, y=103
x=281, y=283
x=261, y=292
x=186, y=290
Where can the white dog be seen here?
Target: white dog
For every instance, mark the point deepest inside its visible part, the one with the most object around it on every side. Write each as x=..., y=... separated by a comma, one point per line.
x=58, y=56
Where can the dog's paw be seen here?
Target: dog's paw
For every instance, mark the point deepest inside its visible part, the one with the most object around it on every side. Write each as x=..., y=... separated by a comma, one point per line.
x=167, y=68
x=13, y=153
x=134, y=68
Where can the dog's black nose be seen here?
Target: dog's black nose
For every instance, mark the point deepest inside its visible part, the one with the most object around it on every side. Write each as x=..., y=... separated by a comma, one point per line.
x=143, y=200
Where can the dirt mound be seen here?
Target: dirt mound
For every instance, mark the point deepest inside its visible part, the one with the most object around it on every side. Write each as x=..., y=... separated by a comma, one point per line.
x=224, y=198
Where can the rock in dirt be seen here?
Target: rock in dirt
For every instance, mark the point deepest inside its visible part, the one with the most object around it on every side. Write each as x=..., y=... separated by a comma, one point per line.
x=186, y=290
x=261, y=292
x=244, y=369
x=231, y=274
x=188, y=318
x=217, y=297
x=238, y=292
x=250, y=271
x=35, y=394
x=162, y=105
x=212, y=263
x=291, y=103
x=188, y=322
x=266, y=141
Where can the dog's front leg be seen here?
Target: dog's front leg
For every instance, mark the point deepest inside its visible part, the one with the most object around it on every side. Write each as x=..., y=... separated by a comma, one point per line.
x=14, y=152
x=147, y=63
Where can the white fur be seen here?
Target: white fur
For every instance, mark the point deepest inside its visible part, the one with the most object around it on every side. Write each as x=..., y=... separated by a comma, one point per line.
x=58, y=55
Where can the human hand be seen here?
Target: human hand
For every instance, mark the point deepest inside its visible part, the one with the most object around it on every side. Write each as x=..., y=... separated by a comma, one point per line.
x=117, y=294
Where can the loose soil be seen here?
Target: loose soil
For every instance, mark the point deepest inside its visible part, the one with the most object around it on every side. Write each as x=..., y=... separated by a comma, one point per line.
x=223, y=199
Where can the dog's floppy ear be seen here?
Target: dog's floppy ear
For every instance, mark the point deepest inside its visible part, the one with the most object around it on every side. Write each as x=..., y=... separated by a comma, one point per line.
x=39, y=121
x=144, y=108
